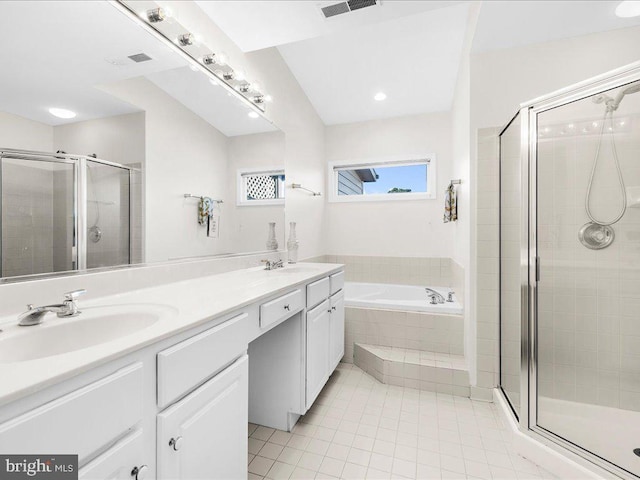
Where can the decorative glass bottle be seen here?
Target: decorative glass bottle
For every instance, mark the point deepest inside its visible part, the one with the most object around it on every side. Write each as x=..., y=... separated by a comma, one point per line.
x=272, y=243
x=292, y=244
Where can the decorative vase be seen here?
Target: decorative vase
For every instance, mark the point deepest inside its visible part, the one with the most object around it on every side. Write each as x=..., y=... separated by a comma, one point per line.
x=272, y=243
x=292, y=244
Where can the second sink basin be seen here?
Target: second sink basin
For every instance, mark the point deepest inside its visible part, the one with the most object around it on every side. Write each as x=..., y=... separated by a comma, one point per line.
x=94, y=326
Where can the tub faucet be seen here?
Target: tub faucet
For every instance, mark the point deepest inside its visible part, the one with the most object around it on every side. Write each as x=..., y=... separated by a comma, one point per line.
x=68, y=308
x=434, y=296
x=450, y=296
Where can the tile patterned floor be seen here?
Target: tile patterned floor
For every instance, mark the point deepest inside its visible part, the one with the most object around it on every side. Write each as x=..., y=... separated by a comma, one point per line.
x=359, y=428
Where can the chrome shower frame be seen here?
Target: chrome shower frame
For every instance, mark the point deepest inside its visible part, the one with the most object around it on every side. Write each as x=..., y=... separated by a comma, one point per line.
x=530, y=261
x=79, y=162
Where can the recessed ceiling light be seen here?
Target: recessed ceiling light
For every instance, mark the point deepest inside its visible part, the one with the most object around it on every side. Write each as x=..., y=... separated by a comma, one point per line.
x=253, y=115
x=628, y=8
x=62, y=113
x=380, y=96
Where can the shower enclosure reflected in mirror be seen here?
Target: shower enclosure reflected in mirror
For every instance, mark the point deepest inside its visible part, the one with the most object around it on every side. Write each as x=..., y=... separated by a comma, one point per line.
x=158, y=129
x=570, y=200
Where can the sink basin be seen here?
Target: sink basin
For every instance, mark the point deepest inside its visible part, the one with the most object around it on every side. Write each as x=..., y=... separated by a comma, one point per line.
x=94, y=326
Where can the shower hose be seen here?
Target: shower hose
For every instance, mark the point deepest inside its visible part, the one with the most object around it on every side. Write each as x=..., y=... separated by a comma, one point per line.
x=607, y=115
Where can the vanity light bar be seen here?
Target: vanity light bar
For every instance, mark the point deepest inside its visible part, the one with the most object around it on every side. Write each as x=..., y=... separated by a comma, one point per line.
x=187, y=45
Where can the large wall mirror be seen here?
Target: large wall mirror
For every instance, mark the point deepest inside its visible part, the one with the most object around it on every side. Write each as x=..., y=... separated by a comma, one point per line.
x=114, y=151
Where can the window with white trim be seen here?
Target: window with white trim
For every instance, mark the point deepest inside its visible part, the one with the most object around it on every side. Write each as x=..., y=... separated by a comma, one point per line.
x=261, y=187
x=381, y=180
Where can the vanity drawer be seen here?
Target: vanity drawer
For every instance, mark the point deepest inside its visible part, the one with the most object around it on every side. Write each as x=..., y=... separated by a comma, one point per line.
x=317, y=292
x=80, y=422
x=337, y=282
x=118, y=462
x=281, y=308
x=189, y=363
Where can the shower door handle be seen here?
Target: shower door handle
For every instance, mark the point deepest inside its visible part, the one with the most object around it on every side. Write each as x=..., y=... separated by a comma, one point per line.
x=537, y=268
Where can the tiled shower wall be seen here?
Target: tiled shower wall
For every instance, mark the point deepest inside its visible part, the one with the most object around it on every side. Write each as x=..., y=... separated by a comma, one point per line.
x=27, y=219
x=487, y=272
x=588, y=300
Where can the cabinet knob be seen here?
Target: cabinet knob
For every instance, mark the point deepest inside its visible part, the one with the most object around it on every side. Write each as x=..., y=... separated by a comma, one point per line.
x=286, y=307
x=140, y=473
x=176, y=443
x=333, y=308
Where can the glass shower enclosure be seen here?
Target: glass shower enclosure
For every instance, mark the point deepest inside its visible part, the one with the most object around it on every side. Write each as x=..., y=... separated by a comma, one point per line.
x=62, y=213
x=570, y=269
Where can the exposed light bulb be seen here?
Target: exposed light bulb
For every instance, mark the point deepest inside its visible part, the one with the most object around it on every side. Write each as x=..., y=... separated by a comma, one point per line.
x=380, y=96
x=253, y=115
x=240, y=75
x=185, y=39
x=214, y=82
x=256, y=87
x=628, y=8
x=268, y=98
x=62, y=112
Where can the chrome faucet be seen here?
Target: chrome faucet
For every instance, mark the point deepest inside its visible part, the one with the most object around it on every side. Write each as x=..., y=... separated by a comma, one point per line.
x=434, y=296
x=68, y=308
x=450, y=296
x=269, y=265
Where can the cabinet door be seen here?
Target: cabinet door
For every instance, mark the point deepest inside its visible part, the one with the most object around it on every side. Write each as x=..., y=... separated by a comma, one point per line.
x=336, y=343
x=318, y=324
x=119, y=462
x=204, y=435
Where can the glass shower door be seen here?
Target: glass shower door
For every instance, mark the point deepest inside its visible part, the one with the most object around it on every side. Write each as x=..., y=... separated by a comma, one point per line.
x=587, y=327
x=510, y=278
x=38, y=217
x=108, y=215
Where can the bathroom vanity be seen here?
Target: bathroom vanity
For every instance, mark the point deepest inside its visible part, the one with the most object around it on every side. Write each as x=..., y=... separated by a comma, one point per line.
x=161, y=382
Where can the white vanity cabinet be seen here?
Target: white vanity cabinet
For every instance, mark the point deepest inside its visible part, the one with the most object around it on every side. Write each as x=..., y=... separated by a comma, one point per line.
x=204, y=435
x=177, y=408
x=325, y=332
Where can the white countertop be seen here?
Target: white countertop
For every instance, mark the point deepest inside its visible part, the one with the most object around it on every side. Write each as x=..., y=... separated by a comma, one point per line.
x=197, y=301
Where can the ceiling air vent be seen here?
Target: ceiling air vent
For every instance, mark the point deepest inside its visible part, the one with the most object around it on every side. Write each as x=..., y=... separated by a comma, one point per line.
x=140, y=57
x=346, y=7
x=358, y=4
x=335, y=9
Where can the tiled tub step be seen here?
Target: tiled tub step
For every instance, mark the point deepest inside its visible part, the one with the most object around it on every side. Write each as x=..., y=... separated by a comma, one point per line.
x=436, y=372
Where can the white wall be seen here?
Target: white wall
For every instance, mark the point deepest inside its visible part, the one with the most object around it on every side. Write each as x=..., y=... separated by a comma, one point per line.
x=24, y=134
x=184, y=154
x=399, y=228
x=500, y=81
x=249, y=223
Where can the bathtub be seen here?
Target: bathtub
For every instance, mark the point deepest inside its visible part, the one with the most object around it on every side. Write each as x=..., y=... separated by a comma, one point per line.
x=397, y=297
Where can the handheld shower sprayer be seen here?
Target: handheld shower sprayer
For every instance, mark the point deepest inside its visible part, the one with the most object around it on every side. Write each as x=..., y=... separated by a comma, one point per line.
x=612, y=105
